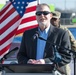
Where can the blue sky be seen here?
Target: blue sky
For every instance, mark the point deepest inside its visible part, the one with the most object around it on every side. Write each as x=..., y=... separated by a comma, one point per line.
x=62, y=4
x=3, y=1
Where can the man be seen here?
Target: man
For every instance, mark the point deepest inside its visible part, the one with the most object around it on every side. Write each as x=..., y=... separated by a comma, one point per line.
x=37, y=51
x=55, y=21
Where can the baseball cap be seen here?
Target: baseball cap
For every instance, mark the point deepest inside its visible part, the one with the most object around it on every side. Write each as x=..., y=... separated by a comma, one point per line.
x=56, y=14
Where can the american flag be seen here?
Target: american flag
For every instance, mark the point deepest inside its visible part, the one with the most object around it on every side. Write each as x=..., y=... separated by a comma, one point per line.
x=10, y=18
x=29, y=19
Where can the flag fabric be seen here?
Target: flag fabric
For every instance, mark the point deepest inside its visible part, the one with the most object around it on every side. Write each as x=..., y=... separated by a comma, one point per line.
x=29, y=19
x=10, y=18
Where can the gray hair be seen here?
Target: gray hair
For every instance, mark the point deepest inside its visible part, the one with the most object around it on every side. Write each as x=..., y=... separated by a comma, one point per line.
x=43, y=4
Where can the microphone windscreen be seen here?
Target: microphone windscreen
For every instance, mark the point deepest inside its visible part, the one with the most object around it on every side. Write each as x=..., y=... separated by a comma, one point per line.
x=36, y=35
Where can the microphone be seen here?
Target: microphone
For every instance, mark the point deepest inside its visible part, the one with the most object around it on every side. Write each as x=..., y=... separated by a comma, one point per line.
x=8, y=54
x=57, y=56
x=35, y=36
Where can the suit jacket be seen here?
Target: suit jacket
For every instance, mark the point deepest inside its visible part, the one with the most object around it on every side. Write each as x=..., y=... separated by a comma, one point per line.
x=56, y=35
x=72, y=38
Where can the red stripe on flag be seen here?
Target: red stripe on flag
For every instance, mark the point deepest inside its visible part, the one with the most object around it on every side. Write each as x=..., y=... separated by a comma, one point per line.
x=30, y=9
x=10, y=23
x=4, y=10
x=4, y=49
x=8, y=36
x=7, y=15
x=29, y=19
x=26, y=28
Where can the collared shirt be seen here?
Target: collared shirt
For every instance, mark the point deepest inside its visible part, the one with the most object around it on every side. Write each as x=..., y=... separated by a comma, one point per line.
x=41, y=43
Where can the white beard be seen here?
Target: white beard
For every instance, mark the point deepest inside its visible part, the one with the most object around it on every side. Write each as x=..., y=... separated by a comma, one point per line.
x=43, y=23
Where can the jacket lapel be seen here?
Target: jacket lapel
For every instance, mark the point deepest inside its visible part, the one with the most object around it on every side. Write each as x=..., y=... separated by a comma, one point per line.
x=51, y=35
x=34, y=46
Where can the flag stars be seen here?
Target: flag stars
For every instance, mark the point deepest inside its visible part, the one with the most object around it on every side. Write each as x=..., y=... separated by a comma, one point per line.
x=21, y=12
x=18, y=2
x=23, y=2
x=17, y=7
x=14, y=3
x=27, y=3
x=22, y=7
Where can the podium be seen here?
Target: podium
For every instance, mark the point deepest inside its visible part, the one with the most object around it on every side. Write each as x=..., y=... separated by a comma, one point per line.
x=28, y=69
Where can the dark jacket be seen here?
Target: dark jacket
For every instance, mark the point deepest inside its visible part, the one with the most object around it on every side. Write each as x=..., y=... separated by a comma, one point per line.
x=56, y=35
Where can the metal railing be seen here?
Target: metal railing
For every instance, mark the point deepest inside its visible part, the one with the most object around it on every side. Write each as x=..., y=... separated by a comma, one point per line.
x=66, y=21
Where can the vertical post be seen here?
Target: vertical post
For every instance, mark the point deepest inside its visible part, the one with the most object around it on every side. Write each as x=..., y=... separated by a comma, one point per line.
x=65, y=5
x=65, y=12
x=38, y=1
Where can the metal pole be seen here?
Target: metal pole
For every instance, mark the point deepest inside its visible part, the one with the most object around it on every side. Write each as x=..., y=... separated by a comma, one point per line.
x=74, y=58
x=65, y=5
x=38, y=1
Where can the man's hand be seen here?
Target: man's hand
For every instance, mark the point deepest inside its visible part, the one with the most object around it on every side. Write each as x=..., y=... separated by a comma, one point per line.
x=40, y=61
x=32, y=61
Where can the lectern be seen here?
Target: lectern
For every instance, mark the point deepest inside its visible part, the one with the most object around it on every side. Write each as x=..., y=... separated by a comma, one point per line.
x=28, y=69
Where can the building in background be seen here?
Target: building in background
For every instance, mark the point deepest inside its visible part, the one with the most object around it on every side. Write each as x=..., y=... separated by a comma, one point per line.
x=66, y=7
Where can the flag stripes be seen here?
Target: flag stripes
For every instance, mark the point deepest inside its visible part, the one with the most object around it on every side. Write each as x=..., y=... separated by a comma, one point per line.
x=4, y=9
x=10, y=23
x=10, y=19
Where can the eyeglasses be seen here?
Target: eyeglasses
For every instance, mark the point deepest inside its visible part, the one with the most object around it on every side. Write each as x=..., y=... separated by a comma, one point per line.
x=42, y=12
x=54, y=19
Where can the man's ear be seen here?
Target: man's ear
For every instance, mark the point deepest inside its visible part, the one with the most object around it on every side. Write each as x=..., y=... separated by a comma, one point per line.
x=51, y=15
x=59, y=19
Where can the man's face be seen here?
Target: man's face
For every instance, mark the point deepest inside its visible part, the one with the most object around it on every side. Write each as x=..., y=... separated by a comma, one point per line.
x=55, y=22
x=43, y=16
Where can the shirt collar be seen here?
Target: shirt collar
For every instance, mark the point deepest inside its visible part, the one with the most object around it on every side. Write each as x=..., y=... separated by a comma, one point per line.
x=46, y=30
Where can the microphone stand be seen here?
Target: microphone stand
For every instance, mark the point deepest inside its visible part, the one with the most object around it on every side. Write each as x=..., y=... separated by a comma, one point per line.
x=5, y=57
x=8, y=54
x=70, y=51
x=57, y=58
x=74, y=60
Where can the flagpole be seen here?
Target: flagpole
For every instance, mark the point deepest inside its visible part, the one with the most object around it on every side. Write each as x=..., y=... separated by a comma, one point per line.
x=38, y=1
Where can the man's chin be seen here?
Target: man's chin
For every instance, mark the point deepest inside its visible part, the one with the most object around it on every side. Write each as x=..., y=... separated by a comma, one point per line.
x=42, y=23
